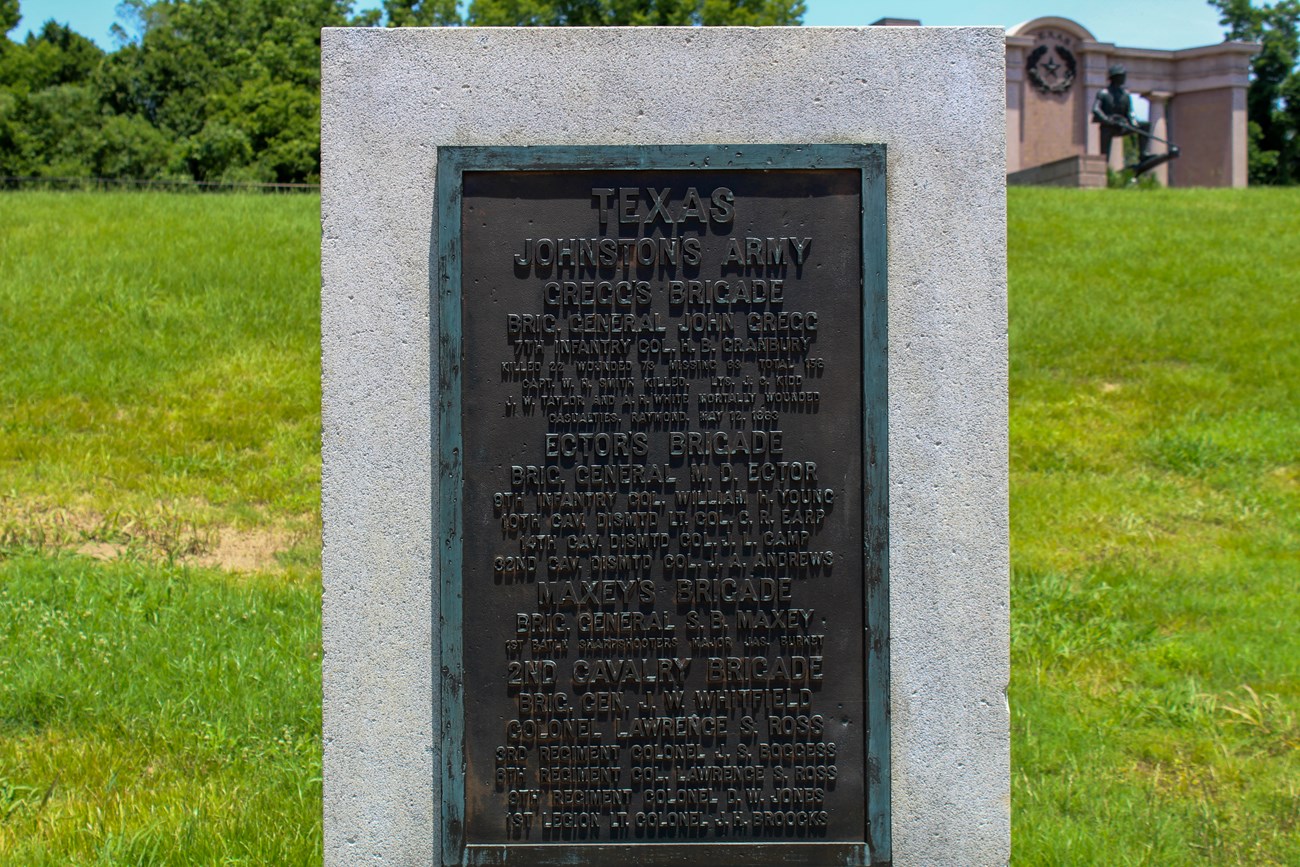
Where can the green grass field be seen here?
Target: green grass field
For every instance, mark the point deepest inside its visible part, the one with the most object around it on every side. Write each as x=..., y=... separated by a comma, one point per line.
x=159, y=528
x=1155, y=514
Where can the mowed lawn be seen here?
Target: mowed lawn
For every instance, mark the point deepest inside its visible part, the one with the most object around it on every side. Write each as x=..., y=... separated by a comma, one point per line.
x=159, y=528
x=1155, y=526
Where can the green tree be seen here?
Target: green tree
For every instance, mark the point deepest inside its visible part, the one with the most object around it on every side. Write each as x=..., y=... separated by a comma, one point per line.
x=235, y=83
x=421, y=13
x=54, y=55
x=128, y=146
x=49, y=115
x=62, y=128
x=9, y=18
x=1273, y=99
x=594, y=13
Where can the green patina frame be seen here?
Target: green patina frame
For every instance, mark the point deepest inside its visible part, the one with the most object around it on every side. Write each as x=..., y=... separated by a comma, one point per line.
x=445, y=275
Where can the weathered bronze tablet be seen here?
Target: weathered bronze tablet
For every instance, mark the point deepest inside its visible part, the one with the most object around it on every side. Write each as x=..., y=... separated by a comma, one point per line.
x=664, y=618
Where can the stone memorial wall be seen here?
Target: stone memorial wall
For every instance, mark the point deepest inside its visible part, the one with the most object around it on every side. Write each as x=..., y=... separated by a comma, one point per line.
x=664, y=483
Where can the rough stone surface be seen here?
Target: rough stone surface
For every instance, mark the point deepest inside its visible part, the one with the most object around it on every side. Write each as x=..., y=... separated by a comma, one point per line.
x=935, y=96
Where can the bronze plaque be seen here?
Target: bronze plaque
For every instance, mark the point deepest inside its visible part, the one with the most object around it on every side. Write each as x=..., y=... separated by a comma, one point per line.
x=663, y=529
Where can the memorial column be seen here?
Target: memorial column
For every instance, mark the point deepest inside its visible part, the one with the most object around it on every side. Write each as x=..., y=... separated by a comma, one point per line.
x=1159, y=102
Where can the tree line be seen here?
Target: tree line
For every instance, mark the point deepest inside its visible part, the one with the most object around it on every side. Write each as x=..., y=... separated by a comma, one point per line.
x=229, y=90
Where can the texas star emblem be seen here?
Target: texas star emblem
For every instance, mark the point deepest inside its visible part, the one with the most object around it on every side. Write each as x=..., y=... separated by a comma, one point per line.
x=1051, y=72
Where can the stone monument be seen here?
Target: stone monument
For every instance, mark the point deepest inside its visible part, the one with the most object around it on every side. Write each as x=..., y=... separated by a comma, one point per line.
x=1056, y=72
x=664, y=446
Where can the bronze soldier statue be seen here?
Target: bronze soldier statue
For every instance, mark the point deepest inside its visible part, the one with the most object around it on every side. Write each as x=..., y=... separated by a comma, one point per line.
x=1113, y=109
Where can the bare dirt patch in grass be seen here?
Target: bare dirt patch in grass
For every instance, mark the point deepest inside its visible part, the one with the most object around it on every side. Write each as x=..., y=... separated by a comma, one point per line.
x=161, y=536
x=248, y=550
x=101, y=550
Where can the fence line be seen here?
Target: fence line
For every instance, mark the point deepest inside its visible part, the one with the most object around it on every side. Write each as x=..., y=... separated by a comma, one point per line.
x=13, y=182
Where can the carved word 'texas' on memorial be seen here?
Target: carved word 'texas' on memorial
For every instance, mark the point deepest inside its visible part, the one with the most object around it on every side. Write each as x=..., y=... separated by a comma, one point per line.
x=663, y=606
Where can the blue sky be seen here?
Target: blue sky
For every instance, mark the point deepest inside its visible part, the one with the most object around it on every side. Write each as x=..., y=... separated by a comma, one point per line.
x=1152, y=24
